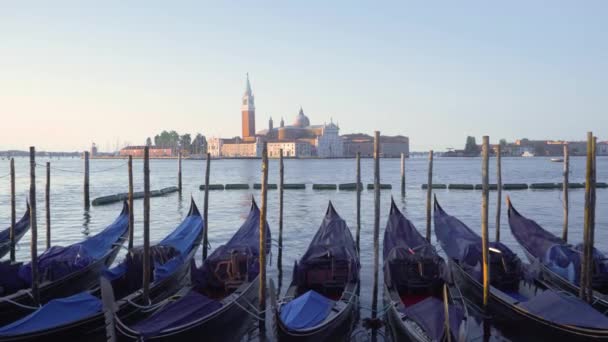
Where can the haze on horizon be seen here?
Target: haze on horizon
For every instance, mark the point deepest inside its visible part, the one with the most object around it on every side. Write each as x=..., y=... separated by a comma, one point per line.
x=73, y=73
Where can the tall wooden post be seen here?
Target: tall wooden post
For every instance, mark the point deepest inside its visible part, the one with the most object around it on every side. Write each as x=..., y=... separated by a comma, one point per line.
x=484, y=219
x=281, y=179
x=33, y=227
x=586, y=220
x=47, y=199
x=130, y=199
x=87, y=203
x=146, y=261
x=429, y=192
x=179, y=171
x=359, y=189
x=498, y=190
x=402, y=174
x=565, y=192
x=446, y=313
x=13, y=212
x=376, y=221
x=262, y=259
x=591, y=222
x=206, y=207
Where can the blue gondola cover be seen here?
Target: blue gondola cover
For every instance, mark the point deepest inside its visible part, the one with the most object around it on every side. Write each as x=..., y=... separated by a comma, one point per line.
x=430, y=315
x=306, y=311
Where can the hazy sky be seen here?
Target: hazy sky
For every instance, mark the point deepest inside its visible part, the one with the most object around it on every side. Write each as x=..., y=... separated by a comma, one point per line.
x=72, y=73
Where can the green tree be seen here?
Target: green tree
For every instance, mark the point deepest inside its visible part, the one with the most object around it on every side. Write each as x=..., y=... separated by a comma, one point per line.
x=185, y=142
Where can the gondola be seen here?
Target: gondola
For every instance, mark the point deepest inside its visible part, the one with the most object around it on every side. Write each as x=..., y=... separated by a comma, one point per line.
x=414, y=280
x=320, y=303
x=21, y=227
x=559, y=263
x=514, y=301
x=80, y=317
x=63, y=271
x=217, y=306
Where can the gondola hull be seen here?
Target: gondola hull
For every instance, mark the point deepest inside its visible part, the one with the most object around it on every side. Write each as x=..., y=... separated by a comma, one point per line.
x=517, y=318
x=337, y=329
x=213, y=327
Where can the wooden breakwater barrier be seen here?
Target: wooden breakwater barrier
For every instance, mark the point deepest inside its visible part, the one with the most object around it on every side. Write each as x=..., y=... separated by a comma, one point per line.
x=513, y=186
x=213, y=187
x=324, y=187
x=258, y=186
x=103, y=200
x=237, y=186
x=350, y=186
x=382, y=186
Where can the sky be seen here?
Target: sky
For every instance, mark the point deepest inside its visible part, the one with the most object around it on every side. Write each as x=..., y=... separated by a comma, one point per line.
x=116, y=72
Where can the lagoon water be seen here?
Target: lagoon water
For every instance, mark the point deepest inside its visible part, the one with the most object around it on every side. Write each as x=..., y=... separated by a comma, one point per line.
x=304, y=209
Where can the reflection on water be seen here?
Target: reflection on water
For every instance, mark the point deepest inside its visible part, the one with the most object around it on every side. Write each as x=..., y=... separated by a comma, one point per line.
x=304, y=209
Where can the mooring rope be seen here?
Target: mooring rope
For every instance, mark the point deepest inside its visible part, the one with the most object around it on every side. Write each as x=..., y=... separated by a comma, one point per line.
x=82, y=172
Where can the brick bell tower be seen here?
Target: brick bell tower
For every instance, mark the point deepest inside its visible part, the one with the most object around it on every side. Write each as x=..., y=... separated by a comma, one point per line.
x=248, y=113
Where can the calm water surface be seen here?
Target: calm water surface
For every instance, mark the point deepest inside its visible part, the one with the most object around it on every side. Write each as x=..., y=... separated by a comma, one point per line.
x=304, y=209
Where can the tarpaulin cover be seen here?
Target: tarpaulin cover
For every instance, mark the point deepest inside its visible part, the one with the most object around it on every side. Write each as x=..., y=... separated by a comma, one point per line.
x=21, y=227
x=188, y=308
x=58, y=262
x=306, y=311
x=333, y=239
x=566, y=309
x=55, y=313
x=430, y=315
x=245, y=241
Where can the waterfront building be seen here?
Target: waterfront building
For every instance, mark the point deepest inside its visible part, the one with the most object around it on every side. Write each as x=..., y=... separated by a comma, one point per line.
x=390, y=146
x=154, y=152
x=235, y=148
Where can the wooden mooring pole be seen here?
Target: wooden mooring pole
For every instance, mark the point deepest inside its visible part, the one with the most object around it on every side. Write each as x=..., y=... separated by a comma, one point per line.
x=262, y=259
x=586, y=218
x=146, y=261
x=376, y=222
x=565, y=192
x=87, y=202
x=33, y=227
x=13, y=211
x=47, y=199
x=206, y=207
x=429, y=192
x=359, y=189
x=281, y=179
x=130, y=201
x=179, y=172
x=498, y=190
x=484, y=219
x=402, y=174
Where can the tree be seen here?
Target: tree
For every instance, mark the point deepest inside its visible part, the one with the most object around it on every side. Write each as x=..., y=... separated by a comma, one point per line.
x=148, y=142
x=199, y=144
x=471, y=148
x=185, y=142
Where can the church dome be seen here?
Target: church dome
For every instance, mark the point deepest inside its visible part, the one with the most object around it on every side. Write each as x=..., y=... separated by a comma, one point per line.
x=301, y=120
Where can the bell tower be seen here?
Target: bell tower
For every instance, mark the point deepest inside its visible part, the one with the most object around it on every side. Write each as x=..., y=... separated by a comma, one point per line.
x=248, y=113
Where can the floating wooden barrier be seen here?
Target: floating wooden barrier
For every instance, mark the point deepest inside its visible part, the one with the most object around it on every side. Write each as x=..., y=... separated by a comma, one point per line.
x=213, y=187
x=258, y=186
x=515, y=186
x=294, y=186
x=490, y=187
x=123, y=196
x=236, y=187
x=434, y=186
x=576, y=185
x=324, y=187
x=349, y=186
x=461, y=187
x=545, y=186
x=382, y=186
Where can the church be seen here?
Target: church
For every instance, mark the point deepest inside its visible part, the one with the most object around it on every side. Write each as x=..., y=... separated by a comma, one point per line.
x=298, y=140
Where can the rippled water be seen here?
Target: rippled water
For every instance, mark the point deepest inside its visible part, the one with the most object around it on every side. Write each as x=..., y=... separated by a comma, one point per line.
x=304, y=209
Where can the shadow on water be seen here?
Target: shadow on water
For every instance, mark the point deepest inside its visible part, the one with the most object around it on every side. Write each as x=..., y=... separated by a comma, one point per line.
x=86, y=220
x=180, y=204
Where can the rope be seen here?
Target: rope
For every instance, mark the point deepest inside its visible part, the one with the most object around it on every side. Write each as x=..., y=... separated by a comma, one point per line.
x=257, y=316
x=4, y=299
x=78, y=171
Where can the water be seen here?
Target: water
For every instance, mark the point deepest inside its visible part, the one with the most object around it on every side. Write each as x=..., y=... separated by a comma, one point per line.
x=304, y=209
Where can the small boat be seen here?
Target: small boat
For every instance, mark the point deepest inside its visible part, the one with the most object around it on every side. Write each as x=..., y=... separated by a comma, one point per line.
x=515, y=300
x=559, y=263
x=21, y=227
x=414, y=280
x=224, y=290
x=81, y=316
x=320, y=303
x=63, y=271
x=557, y=160
x=527, y=154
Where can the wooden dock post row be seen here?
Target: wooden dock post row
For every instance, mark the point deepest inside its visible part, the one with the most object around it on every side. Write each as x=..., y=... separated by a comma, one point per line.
x=262, y=258
x=146, y=257
x=13, y=212
x=429, y=191
x=87, y=202
x=206, y=207
x=498, y=190
x=33, y=227
x=565, y=192
x=376, y=222
x=484, y=218
x=47, y=198
x=130, y=201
